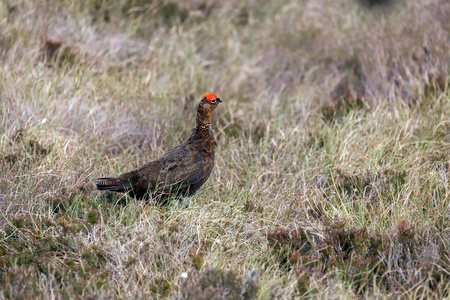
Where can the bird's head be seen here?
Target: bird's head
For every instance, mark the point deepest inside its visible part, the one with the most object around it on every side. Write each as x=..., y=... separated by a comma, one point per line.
x=208, y=103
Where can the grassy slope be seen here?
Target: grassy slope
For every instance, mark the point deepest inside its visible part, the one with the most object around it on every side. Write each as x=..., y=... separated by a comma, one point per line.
x=316, y=192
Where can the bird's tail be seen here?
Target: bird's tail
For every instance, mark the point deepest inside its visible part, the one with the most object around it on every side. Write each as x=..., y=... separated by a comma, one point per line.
x=110, y=184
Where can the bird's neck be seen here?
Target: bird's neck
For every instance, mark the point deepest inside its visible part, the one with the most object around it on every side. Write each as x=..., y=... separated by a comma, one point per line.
x=203, y=128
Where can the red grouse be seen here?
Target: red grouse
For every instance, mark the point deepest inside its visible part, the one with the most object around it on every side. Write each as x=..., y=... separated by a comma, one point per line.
x=181, y=171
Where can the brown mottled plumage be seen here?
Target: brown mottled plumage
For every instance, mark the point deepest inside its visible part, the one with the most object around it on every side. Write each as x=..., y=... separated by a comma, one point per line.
x=181, y=171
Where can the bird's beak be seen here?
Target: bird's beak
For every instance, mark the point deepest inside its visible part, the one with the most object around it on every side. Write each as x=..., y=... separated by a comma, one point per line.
x=219, y=100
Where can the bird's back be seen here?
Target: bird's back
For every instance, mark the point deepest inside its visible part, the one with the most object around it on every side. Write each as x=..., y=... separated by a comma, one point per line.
x=182, y=170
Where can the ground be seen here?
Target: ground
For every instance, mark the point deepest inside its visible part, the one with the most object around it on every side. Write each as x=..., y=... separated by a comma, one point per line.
x=332, y=158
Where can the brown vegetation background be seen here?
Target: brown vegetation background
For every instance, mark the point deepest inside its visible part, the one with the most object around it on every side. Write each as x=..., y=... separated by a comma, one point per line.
x=332, y=159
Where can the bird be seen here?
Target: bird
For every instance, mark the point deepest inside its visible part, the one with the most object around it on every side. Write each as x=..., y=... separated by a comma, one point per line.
x=179, y=172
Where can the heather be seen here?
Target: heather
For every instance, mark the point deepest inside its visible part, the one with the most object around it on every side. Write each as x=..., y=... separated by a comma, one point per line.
x=332, y=165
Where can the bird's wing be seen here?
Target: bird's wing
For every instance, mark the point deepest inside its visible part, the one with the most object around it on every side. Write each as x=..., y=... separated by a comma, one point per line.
x=181, y=165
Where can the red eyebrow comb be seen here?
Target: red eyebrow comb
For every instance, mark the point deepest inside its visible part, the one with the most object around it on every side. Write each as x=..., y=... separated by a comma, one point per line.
x=209, y=96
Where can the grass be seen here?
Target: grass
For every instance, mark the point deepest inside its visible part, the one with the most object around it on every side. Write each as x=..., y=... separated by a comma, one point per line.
x=332, y=158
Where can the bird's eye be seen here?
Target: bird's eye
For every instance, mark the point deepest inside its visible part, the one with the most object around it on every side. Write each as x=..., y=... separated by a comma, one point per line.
x=213, y=101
